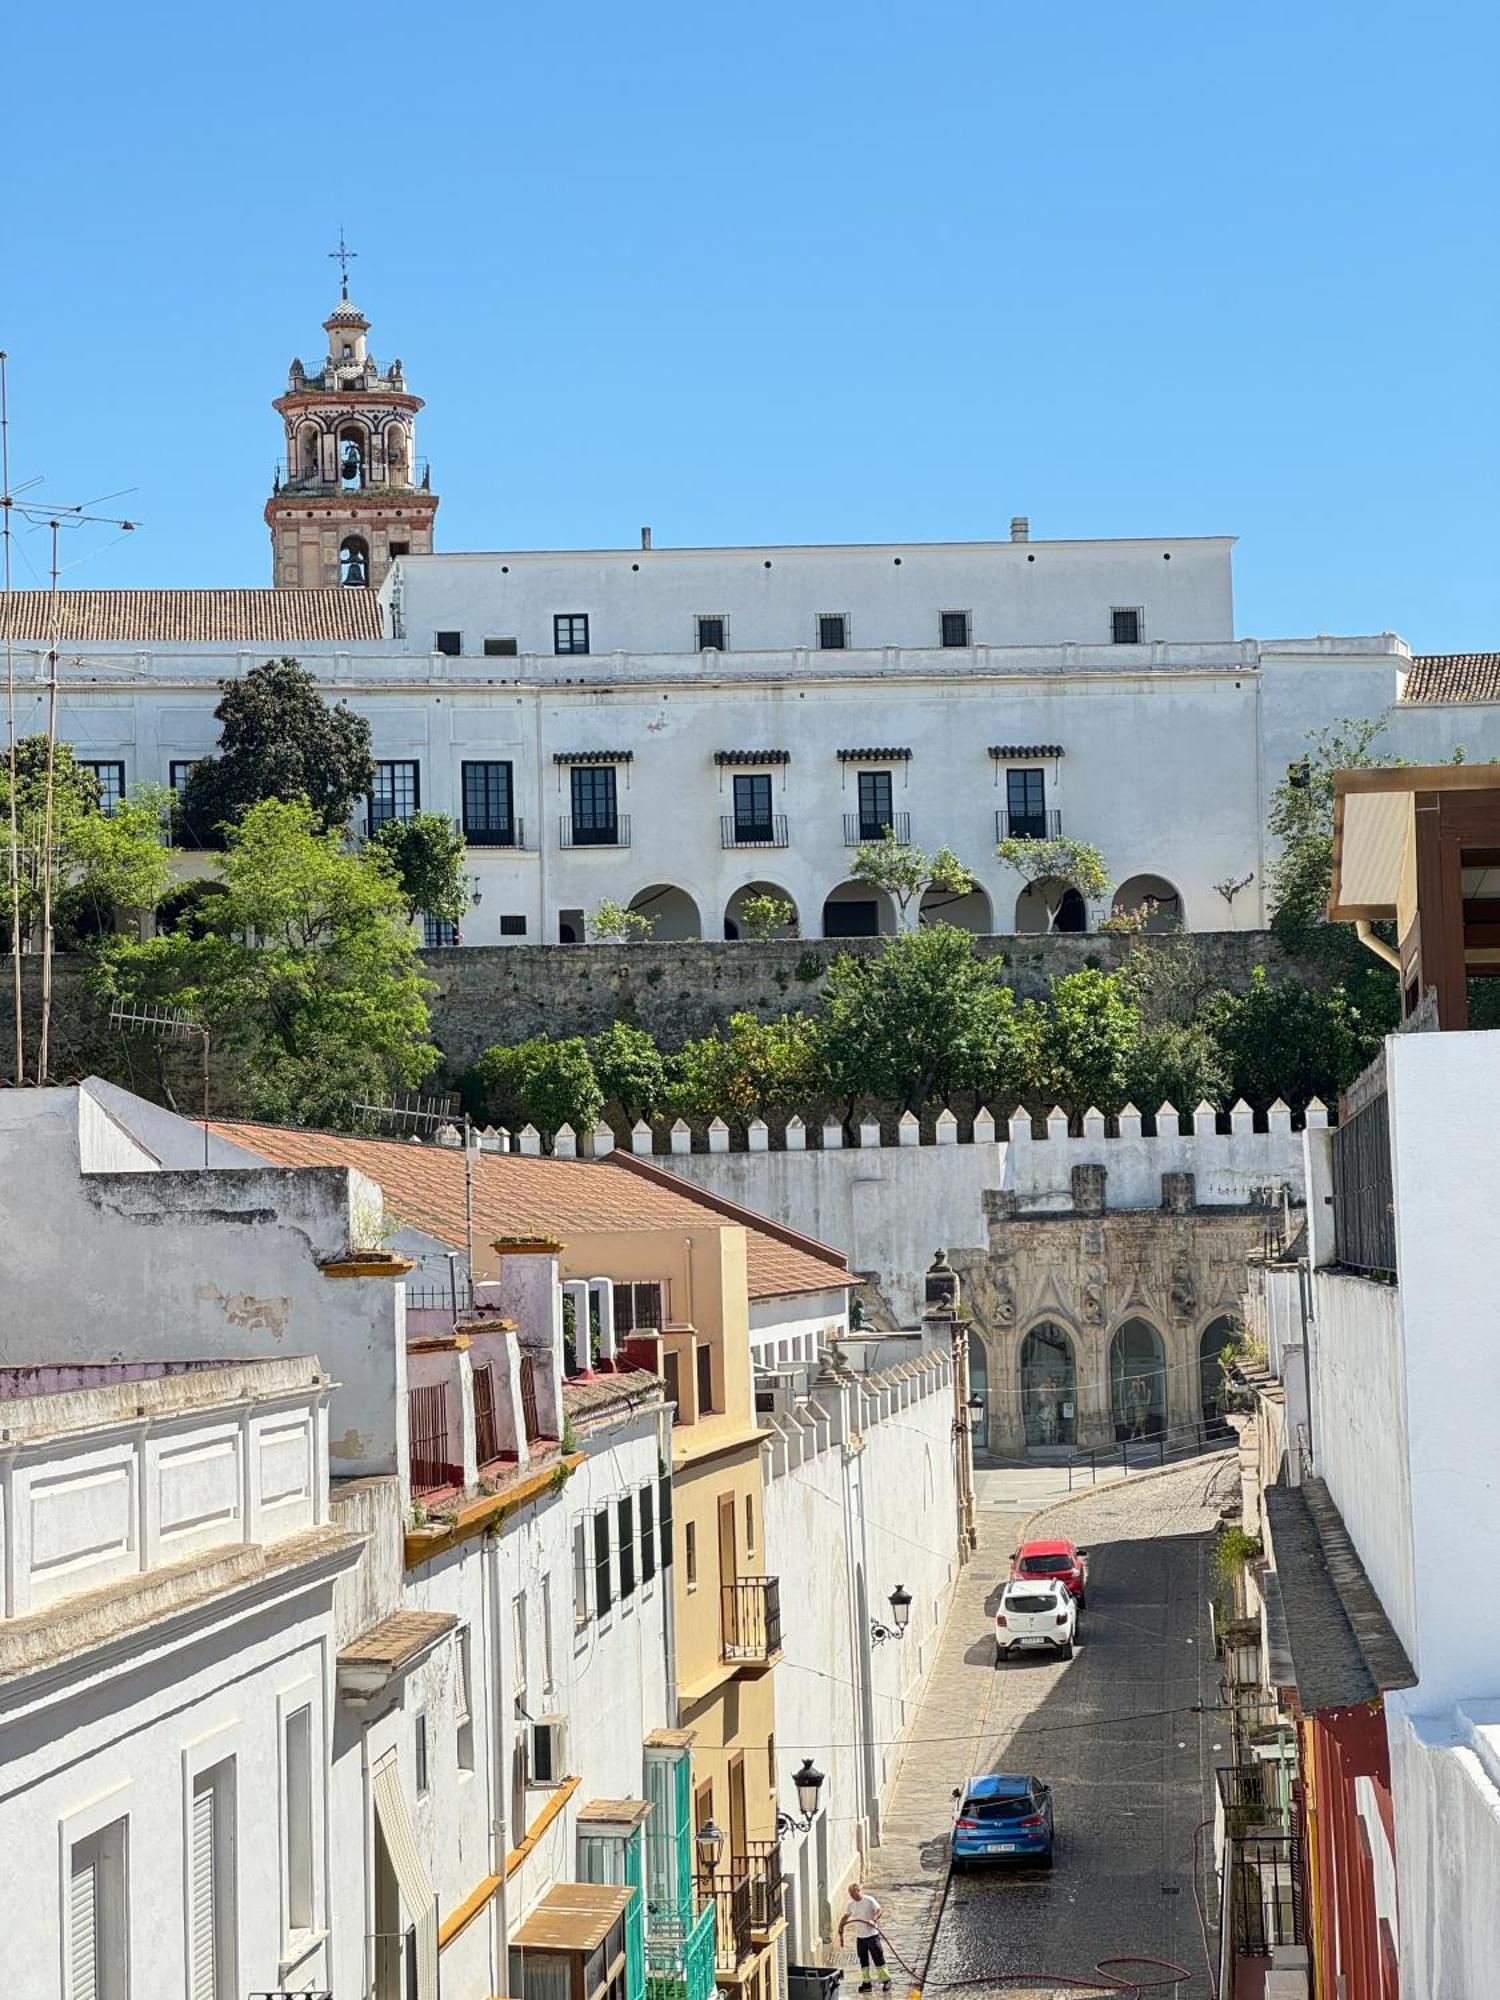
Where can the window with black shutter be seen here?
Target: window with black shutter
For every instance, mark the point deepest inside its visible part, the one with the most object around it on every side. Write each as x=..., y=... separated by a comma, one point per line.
x=711, y=633
x=1125, y=624
x=626, y=1507
x=833, y=631
x=451, y=643
x=955, y=628
x=603, y=1595
x=648, y=1534
x=501, y=649
x=664, y=1515
x=705, y=1381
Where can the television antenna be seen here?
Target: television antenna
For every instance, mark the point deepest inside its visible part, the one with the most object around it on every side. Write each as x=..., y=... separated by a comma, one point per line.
x=410, y=1112
x=167, y=1024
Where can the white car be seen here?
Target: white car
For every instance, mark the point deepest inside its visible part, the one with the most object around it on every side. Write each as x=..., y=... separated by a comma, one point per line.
x=1037, y=1614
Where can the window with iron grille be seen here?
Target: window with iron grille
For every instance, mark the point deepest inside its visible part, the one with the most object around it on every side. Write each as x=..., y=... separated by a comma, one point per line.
x=110, y=779
x=705, y=1381
x=648, y=1534
x=875, y=815
x=664, y=1517
x=488, y=797
x=451, y=643
x=570, y=632
x=671, y=1377
x=603, y=1597
x=638, y=1307
x=397, y=792
x=713, y=634
x=626, y=1510
x=580, y=1573
x=420, y=1733
x=438, y=932
x=596, y=820
x=512, y=926
x=752, y=806
x=1125, y=624
x=501, y=649
x=833, y=631
x=1026, y=804
x=955, y=628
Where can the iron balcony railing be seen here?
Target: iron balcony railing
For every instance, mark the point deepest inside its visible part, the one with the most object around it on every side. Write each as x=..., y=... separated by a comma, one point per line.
x=731, y=1906
x=486, y=1426
x=1263, y=1902
x=736, y=831
x=427, y=1420
x=499, y=833
x=760, y=1864
x=680, y=1961
x=576, y=832
x=1364, y=1202
x=864, y=829
x=1028, y=825
x=750, y=1611
x=297, y=479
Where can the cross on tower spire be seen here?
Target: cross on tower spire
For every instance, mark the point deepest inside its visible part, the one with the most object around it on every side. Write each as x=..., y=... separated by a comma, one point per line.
x=342, y=257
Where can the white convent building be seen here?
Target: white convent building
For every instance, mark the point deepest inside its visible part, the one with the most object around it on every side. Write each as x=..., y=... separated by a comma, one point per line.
x=677, y=729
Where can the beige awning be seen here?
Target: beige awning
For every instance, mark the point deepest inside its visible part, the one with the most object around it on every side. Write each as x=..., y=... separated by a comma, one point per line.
x=411, y=1873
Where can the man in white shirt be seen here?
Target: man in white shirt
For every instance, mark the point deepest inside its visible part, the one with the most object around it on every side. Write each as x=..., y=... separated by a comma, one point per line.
x=863, y=1915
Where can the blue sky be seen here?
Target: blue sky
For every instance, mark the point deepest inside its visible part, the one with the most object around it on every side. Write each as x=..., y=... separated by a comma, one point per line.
x=787, y=272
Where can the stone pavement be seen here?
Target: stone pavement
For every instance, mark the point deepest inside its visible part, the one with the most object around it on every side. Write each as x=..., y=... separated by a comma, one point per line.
x=962, y=1723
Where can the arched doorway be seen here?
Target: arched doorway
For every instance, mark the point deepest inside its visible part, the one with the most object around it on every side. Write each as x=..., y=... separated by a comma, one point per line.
x=354, y=561
x=969, y=912
x=673, y=911
x=1049, y=1387
x=1153, y=898
x=1035, y=904
x=1137, y=1380
x=855, y=909
x=735, y=925
x=1219, y=1334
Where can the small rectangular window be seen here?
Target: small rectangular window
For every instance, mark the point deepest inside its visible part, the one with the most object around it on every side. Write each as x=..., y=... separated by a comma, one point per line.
x=419, y=1731
x=833, y=631
x=451, y=643
x=179, y=771
x=1125, y=623
x=712, y=634
x=518, y=1642
x=752, y=807
x=211, y=1885
x=110, y=778
x=399, y=549
x=580, y=1574
x=690, y=1553
x=955, y=626
x=876, y=812
x=664, y=1517
x=297, y=1798
x=705, y=1381
x=501, y=649
x=488, y=796
x=648, y=1533
x=570, y=632
x=397, y=791
x=438, y=933
x=626, y=1509
x=671, y=1377
x=603, y=1596
x=463, y=1701
x=1026, y=804
x=512, y=926
x=750, y=1524
x=97, y=1937
x=547, y=1679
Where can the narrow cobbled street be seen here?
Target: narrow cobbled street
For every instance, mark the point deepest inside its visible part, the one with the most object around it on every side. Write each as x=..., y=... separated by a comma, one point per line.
x=1126, y=1734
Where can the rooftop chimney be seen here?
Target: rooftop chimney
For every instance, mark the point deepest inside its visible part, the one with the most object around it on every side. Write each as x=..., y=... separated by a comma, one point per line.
x=1020, y=528
x=645, y=538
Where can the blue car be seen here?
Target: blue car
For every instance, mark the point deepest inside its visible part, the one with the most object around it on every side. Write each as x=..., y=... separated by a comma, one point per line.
x=1002, y=1819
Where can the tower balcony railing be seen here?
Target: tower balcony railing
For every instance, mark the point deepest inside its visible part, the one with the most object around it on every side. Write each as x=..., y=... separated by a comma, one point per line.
x=300, y=481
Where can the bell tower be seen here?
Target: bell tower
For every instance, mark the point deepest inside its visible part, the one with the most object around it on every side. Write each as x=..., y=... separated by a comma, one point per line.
x=350, y=494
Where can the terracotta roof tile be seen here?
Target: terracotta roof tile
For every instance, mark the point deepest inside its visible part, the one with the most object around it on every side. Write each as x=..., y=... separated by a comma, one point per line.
x=1453, y=677
x=520, y=1194
x=197, y=617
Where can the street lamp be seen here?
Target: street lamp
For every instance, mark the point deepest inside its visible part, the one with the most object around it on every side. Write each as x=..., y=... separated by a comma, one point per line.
x=973, y=1411
x=710, y=1845
x=900, y=1612
x=809, y=1785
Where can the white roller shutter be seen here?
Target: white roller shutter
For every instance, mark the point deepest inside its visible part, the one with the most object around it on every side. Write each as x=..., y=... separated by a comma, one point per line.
x=83, y=1921
x=411, y=1873
x=205, y=1975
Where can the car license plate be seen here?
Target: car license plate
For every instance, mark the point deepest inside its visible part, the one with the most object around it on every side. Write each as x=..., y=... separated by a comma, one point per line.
x=1036, y=1642
x=1001, y=1847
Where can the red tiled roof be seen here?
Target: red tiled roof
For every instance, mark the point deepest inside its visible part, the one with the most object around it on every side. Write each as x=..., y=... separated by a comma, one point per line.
x=1453, y=677
x=520, y=1194
x=196, y=617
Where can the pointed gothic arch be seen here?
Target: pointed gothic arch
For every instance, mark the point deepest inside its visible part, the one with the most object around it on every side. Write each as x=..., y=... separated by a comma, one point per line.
x=1137, y=1380
x=1049, y=1384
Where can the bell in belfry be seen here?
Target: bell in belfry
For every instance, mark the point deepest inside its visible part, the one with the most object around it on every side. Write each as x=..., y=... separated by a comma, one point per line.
x=941, y=1289
x=350, y=466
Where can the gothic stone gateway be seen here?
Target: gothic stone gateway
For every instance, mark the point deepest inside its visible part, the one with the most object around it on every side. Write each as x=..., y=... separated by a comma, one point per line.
x=1100, y=1325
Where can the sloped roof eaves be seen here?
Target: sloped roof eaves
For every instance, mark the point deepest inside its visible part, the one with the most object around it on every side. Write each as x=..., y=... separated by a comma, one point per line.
x=1453, y=677
x=196, y=617
x=1344, y=1648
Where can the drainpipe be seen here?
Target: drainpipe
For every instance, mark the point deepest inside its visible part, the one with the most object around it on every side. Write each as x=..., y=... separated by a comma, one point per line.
x=669, y=1594
x=502, y=1729
x=1364, y=931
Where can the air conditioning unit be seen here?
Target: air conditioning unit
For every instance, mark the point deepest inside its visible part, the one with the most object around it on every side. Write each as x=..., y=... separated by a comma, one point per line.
x=547, y=1750
x=778, y=1391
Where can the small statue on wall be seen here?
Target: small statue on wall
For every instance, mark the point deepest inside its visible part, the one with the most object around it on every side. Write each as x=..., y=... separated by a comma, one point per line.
x=1184, y=1291
x=1093, y=1298
x=1005, y=1306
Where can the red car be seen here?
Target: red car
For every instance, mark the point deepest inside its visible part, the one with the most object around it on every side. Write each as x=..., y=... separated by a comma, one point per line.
x=1055, y=1559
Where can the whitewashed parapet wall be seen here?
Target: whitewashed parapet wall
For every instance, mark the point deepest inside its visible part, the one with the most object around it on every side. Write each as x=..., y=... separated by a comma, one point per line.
x=888, y=1207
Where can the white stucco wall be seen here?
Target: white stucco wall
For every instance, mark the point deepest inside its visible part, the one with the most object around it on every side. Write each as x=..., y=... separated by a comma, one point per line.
x=846, y=1522
x=1445, y=1792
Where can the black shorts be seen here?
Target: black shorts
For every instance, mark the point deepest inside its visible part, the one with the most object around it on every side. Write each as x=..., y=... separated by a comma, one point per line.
x=869, y=1952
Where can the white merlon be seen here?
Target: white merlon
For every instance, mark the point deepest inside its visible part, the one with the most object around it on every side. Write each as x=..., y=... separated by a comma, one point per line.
x=1204, y=1120
x=641, y=1139
x=531, y=1139
x=565, y=1143
x=1057, y=1123
x=1093, y=1124
x=757, y=1135
x=945, y=1133
x=1241, y=1117
x=604, y=1141
x=682, y=1137
x=1129, y=1122
x=869, y=1132
x=833, y=1135
x=984, y=1127
x=909, y=1129
x=796, y=1135
x=718, y=1136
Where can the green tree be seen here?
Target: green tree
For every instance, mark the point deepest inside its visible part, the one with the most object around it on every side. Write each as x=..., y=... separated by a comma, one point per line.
x=1284, y=1039
x=1091, y=1029
x=919, y=1019
x=278, y=739
x=1175, y=1062
x=752, y=1069
x=1050, y=868
x=905, y=873
x=429, y=855
x=539, y=1082
x=612, y=923
x=304, y=970
x=116, y=864
x=1300, y=820
x=75, y=796
x=764, y=917
x=630, y=1070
